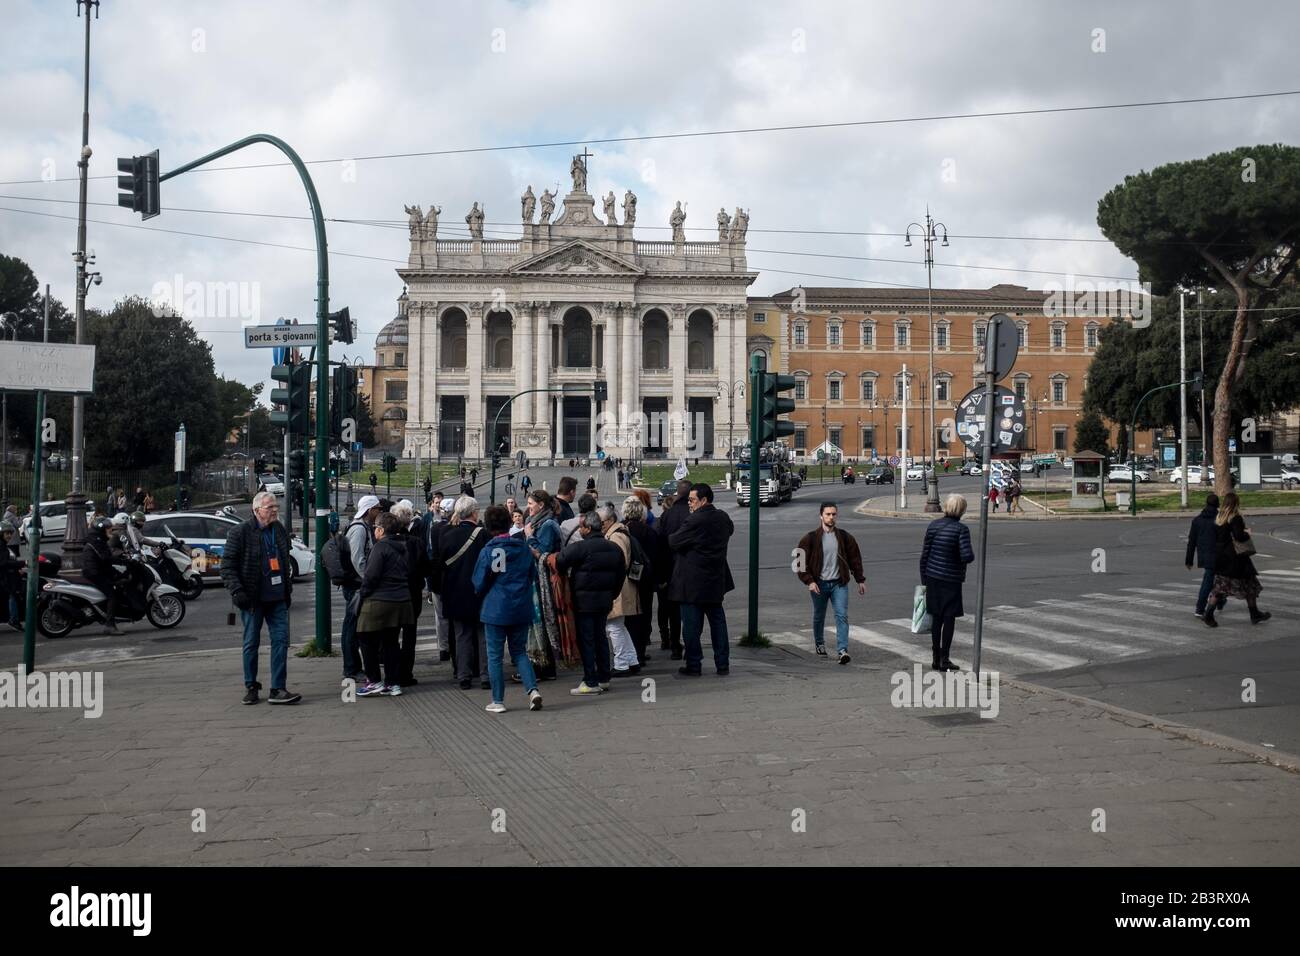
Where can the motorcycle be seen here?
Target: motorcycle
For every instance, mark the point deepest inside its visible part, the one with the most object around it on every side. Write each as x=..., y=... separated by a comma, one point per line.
x=175, y=567
x=63, y=605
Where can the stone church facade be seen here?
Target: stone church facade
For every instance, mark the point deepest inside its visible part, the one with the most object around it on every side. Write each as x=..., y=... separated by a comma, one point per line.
x=565, y=305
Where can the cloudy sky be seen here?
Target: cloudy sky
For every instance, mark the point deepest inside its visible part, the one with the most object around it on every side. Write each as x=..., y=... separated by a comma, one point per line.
x=341, y=81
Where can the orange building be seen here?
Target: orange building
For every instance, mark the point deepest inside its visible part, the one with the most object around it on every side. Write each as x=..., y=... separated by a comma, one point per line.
x=847, y=348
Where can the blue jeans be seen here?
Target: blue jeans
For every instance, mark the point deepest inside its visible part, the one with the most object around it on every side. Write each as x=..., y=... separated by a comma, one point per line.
x=351, y=651
x=693, y=616
x=594, y=647
x=838, y=596
x=276, y=616
x=498, y=636
x=1207, y=585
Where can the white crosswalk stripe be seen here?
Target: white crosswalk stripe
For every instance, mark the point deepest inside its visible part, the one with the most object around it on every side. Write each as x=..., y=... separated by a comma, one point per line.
x=1054, y=633
x=1279, y=572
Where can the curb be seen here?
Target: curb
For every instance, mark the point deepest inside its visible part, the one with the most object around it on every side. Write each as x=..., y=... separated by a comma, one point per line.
x=1276, y=758
x=867, y=510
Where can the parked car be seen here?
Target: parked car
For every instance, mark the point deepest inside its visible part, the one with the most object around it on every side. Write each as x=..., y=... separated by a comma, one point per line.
x=272, y=483
x=206, y=533
x=880, y=475
x=1194, y=475
x=54, y=519
x=666, y=490
x=1126, y=473
x=917, y=473
x=970, y=468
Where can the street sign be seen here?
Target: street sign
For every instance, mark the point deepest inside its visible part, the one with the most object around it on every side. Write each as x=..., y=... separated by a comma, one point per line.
x=48, y=367
x=279, y=336
x=893, y=460
x=1001, y=345
x=179, y=462
x=1009, y=420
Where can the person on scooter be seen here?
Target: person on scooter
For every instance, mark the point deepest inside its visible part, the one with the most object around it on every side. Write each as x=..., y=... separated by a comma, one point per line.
x=135, y=535
x=97, y=568
x=136, y=579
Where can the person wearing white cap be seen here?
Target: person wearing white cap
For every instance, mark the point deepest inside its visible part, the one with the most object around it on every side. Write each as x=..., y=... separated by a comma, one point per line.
x=360, y=538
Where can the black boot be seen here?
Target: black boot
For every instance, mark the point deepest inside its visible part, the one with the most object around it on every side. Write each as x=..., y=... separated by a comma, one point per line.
x=937, y=664
x=1209, y=616
x=949, y=665
x=1259, y=617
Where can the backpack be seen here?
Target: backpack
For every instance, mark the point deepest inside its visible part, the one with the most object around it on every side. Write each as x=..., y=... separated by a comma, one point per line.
x=638, y=562
x=336, y=555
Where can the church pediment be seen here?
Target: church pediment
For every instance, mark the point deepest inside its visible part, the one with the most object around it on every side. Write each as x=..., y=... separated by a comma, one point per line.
x=577, y=258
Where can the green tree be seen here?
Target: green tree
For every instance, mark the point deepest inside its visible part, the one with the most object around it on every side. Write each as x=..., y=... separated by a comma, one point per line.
x=1091, y=434
x=152, y=372
x=1231, y=221
x=365, y=422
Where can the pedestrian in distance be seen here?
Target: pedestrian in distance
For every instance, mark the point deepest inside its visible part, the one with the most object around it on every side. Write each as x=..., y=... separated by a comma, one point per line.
x=374, y=481
x=598, y=573
x=255, y=570
x=944, y=555
x=385, y=610
x=1234, y=572
x=993, y=497
x=505, y=574
x=1202, y=543
x=473, y=476
x=565, y=492
x=701, y=578
x=830, y=559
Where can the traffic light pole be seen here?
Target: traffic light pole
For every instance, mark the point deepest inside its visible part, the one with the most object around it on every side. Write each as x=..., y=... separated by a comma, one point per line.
x=288, y=486
x=322, y=358
x=492, y=495
x=755, y=426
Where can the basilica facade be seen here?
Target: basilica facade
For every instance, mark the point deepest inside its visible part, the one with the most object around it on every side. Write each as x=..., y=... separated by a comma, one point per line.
x=572, y=336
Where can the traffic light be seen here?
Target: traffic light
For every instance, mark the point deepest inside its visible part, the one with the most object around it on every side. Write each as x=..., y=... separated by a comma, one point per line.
x=390, y=464
x=771, y=405
x=276, y=463
x=343, y=399
x=298, y=465
x=140, y=185
x=296, y=397
x=600, y=390
x=341, y=323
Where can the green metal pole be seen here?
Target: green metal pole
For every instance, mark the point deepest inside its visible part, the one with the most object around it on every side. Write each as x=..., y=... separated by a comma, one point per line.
x=755, y=409
x=306, y=494
x=322, y=344
x=1132, y=448
x=34, y=549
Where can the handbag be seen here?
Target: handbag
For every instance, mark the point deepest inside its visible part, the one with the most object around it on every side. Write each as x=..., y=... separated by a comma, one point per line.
x=921, y=619
x=1245, y=548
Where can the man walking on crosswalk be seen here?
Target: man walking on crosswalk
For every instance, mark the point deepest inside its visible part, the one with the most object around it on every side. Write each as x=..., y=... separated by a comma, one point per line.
x=829, y=557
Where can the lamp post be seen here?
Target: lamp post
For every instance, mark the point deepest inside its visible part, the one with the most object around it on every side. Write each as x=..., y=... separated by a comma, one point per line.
x=929, y=232
x=732, y=391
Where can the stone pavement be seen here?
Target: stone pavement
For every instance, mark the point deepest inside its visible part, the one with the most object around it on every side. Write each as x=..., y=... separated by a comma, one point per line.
x=711, y=771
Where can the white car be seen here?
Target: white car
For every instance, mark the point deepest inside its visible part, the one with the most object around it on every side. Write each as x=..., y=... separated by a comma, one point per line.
x=1194, y=475
x=916, y=473
x=1027, y=467
x=54, y=519
x=1125, y=473
x=206, y=533
x=272, y=483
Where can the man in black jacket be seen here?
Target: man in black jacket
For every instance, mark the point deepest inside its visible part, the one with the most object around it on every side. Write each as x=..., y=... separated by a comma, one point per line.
x=670, y=612
x=256, y=570
x=97, y=568
x=1201, y=542
x=459, y=544
x=701, y=577
x=598, y=572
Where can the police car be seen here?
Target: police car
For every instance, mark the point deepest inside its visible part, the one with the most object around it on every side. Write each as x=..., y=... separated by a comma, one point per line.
x=205, y=535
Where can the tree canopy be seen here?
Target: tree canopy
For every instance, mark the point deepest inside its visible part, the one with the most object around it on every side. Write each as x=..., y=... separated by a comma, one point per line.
x=1228, y=221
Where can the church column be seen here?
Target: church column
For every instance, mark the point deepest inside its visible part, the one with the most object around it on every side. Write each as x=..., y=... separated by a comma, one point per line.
x=609, y=313
x=522, y=410
x=677, y=359
x=431, y=330
x=723, y=349
x=474, y=424
x=630, y=341
x=414, y=370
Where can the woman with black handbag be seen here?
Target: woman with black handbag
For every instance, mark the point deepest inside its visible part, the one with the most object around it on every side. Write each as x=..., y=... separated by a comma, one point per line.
x=1234, y=572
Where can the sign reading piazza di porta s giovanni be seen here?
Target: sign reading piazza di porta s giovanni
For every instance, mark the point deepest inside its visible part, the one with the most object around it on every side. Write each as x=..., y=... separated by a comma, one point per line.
x=569, y=300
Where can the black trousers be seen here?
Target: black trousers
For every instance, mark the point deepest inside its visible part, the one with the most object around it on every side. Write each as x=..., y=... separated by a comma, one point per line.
x=377, y=646
x=670, y=623
x=941, y=629
x=639, y=626
x=406, y=665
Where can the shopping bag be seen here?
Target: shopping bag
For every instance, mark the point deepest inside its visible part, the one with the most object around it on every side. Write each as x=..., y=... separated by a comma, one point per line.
x=920, y=619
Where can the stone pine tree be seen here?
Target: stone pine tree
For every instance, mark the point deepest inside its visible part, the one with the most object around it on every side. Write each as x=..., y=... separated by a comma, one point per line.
x=1231, y=220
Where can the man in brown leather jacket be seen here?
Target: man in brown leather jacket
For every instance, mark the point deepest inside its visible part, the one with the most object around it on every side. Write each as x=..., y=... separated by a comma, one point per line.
x=826, y=558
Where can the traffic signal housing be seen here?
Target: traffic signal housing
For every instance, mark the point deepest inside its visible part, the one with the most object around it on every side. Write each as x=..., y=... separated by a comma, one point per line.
x=295, y=397
x=341, y=323
x=139, y=187
x=390, y=464
x=275, y=464
x=298, y=465
x=770, y=426
x=343, y=399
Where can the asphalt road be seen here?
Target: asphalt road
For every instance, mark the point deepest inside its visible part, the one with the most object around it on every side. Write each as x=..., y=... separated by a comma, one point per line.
x=1125, y=634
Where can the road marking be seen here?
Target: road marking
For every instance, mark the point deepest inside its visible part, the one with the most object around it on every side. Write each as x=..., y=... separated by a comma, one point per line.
x=1282, y=573
x=1075, y=640
x=1289, y=600
x=1046, y=660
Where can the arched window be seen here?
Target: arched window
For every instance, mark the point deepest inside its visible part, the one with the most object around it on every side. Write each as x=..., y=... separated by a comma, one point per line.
x=699, y=340
x=500, y=340
x=654, y=340
x=454, y=338
x=576, y=339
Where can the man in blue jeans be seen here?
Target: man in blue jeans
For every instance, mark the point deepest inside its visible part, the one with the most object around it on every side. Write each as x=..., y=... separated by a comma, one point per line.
x=1201, y=543
x=256, y=570
x=826, y=559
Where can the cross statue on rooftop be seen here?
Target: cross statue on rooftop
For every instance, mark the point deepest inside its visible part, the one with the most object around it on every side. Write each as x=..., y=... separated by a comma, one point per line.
x=578, y=170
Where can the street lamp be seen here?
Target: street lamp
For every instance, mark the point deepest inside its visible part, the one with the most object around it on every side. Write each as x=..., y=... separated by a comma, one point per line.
x=929, y=232
x=732, y=391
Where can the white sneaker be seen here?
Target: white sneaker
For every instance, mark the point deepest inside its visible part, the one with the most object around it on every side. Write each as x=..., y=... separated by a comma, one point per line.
x=392, y=690
x=604, y=686
x=582, y=690
x=495, y=708
x=534, y=700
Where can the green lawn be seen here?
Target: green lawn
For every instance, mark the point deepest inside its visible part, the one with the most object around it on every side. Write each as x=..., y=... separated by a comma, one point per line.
x=652, y=476
x=1162, y=500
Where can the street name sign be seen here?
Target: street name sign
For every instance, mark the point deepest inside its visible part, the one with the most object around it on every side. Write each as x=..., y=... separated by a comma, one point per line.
x=48, y=367
x=279, y=336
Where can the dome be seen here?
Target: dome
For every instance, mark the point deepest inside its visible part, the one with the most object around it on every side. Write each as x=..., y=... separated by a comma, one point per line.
x=394, y=333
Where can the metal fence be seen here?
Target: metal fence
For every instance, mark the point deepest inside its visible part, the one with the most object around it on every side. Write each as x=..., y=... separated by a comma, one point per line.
x=203, y=484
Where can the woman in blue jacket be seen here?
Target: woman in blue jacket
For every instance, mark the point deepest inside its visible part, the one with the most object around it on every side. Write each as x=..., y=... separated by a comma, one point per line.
x=944, y=557
x=504, y=577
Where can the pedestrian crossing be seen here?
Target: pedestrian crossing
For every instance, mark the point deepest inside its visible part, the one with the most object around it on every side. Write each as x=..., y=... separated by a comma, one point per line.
x=1097, y=627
